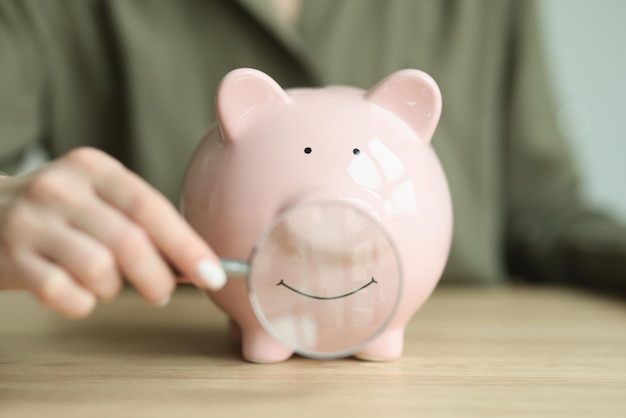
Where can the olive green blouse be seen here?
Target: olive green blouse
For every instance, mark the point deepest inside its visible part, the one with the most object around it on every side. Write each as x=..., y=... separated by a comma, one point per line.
x=138, y=78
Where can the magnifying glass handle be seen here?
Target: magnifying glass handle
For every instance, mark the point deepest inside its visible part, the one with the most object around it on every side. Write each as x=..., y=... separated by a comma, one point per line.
x=235, y=269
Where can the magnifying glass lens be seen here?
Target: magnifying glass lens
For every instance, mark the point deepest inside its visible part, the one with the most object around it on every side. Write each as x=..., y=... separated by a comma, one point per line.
x=325, y=279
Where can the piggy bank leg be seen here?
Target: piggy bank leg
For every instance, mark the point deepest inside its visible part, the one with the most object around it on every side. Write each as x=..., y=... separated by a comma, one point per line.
x=260, y=347
x=388, y=346
x=234, y=331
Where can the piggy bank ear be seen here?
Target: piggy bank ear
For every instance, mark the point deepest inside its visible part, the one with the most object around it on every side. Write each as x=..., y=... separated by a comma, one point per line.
x=241, y=94
x=413, y=96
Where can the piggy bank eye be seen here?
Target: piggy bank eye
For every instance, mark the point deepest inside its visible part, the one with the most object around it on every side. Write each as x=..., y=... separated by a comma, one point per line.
x=356, y=151
x=307, y=150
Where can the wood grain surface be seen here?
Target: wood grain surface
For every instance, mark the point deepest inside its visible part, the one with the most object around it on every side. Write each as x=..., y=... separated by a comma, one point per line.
x=476, y=352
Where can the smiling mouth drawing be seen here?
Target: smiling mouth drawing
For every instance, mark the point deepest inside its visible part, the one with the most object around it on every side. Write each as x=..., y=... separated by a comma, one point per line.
x=282, y=283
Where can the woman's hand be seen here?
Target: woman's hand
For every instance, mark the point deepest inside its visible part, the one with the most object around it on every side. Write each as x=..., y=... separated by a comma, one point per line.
x=70, y=231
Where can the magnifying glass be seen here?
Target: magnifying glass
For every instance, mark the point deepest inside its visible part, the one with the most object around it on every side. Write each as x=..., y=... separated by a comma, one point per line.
x=324, y=279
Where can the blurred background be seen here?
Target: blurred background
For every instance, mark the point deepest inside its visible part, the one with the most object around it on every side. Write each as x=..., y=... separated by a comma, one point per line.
x=587, y=58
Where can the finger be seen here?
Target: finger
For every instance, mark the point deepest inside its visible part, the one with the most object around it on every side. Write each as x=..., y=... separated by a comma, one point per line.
x=134, y=252
x=54, y=287
x=174, y=238
x=184, y=280
x=86, y=259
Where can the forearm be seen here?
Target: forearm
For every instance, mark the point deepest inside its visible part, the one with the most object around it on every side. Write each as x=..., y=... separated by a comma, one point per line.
x=594, y=253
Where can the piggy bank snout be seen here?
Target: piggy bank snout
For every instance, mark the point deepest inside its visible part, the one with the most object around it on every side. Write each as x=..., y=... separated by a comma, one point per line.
x=331, y=229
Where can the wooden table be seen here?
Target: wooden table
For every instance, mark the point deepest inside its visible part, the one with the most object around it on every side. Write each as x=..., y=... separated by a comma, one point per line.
x=497, y=352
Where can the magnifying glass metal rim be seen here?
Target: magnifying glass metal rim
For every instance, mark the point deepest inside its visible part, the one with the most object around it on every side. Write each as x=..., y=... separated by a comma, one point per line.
x=242, y=269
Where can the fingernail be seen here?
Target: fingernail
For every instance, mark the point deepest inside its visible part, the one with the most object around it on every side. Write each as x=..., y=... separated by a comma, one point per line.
x=211, y=274
x=164, y=301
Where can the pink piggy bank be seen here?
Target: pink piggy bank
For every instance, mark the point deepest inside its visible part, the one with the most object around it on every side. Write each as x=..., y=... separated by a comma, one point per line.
x=348, y=172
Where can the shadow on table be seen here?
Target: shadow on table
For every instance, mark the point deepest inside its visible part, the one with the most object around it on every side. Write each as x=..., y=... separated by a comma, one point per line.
x=134, y=328
x=149, y=341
